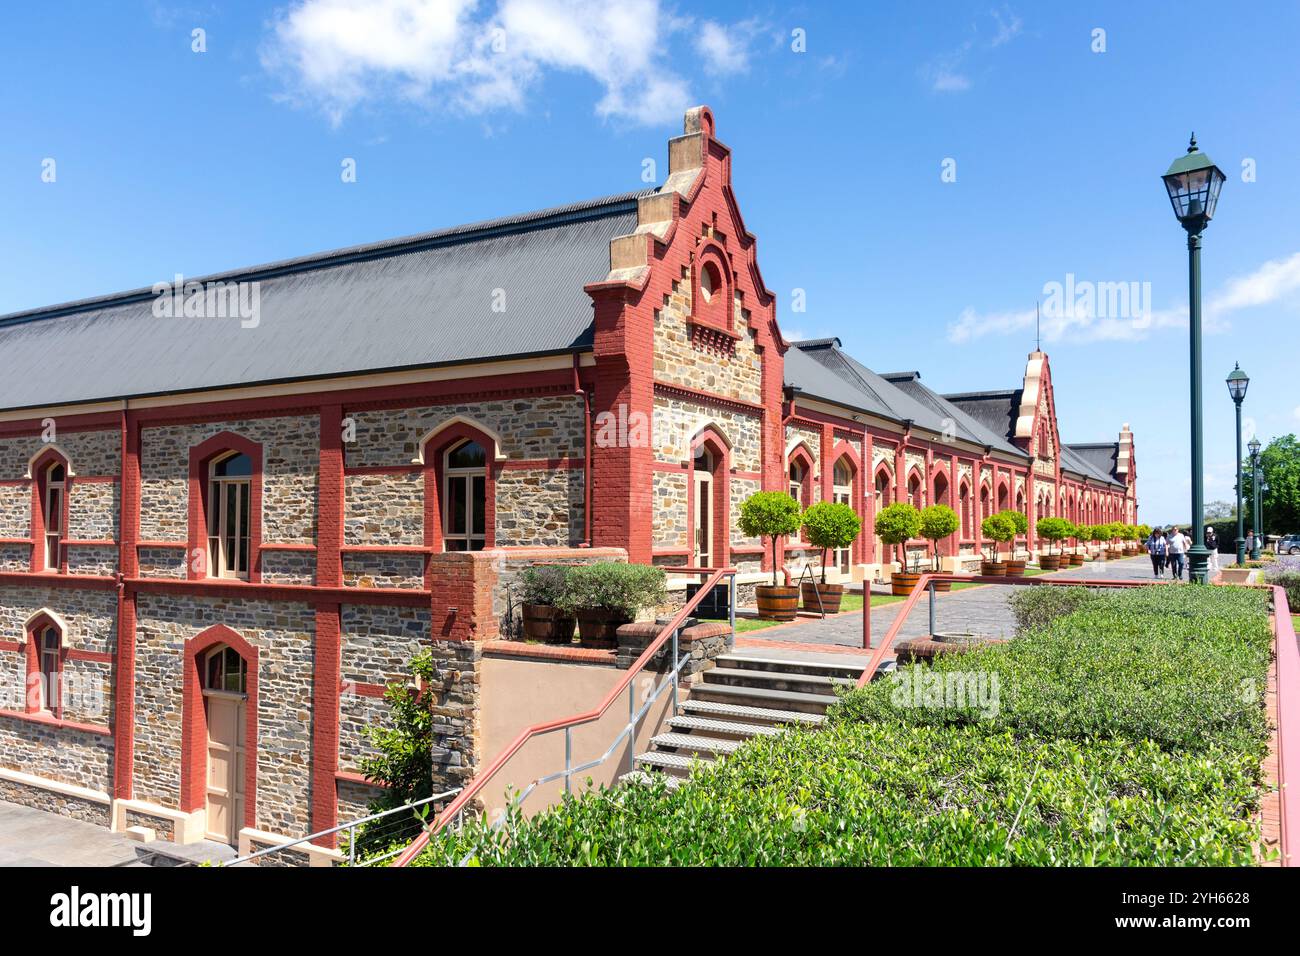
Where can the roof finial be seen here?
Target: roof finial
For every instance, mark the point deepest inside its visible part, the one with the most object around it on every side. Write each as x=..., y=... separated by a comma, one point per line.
x=1191, y=147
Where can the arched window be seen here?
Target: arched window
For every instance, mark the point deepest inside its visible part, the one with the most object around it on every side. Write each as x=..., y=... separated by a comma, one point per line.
x=224, y=670
x=464, y=497
x=49, y=650
x=229, y=513
x=842, y=493
x=915, y=495
x=984, y=504
x=963, y=510
x=53, y=502
x=798, y=476
x=702, y=469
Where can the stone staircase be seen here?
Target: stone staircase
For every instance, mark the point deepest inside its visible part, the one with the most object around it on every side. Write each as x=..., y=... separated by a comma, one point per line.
x=737, y=699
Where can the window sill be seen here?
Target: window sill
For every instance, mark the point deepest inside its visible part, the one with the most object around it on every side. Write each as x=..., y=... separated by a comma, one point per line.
x=50, y=720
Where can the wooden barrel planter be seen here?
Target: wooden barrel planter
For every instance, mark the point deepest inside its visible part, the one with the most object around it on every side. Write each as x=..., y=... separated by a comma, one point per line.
x=830, y=597
x=903, y=582
x=1050, y=562
x=943, y=586
x=542, y=622
x=1016, y=569
x=598, y=627
x=993, y=569
x=777, y=602
x=1076, y=559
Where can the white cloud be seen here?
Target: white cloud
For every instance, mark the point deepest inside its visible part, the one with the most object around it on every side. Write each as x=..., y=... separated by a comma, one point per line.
x=457, y=54
x=1270, y=283
x=949, y=73
x=1009, y=26
x=946, y=81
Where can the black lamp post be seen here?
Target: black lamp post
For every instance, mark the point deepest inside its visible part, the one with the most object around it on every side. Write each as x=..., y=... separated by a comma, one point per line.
x=1238, y=382
x=1255, y=495
x=1193, y=183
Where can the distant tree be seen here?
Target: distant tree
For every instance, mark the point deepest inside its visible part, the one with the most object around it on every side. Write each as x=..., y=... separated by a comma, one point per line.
x=1279, y=465
x=1218, y=510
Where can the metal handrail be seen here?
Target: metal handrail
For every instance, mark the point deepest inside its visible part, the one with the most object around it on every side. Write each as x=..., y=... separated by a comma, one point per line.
x=350, y=825
x=568, y=723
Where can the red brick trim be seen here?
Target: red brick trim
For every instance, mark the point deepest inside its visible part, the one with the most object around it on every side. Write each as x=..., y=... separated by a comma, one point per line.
x=362, y=689
x=39, y=467
x=433, y=474
x=39, y=622
x=43, y=718
x=347, y=776
x=707, y=398
x=194, y=723
x=301, y=593
x=325, y=723
x=201, y=456
x=712, y=437
x=555, y=653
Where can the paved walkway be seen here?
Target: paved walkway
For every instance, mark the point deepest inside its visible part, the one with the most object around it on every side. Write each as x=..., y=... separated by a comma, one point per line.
x=981, y=610
x=30, y=837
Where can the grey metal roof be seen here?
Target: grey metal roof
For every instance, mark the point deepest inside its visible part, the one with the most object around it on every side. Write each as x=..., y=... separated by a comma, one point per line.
x=968, y=427
x=1101, y=457
x=996, y=411
x=418, y=301
x=816, y=368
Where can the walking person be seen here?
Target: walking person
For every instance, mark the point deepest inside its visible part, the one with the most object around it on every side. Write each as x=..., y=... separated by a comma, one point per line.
x=1177, y=546
x=1250, y=542
x=1212, y=542
x=1156, y=547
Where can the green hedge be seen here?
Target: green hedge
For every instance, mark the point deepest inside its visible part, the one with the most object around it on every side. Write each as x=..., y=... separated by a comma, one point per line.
x=1129, y=731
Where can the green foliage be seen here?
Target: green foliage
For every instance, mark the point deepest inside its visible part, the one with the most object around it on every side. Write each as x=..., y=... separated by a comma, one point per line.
x=1054, y=530
x=897, y=524
x=997, y=529
x=769, y=514
x=830, y=524
x=543, y=584
x=1115, y=743
x=1279, y=468
x=937, y=522
x=625, y=589
x=1285, y=573
x=1018, y=520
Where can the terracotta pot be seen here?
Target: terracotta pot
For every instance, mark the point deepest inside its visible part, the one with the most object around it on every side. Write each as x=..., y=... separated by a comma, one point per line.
x=777, y=602
x=598, y=627
x=542, y=622
x=1050, y=562
x=830, y=597
x=1015, y=569
x=993, y=569
x=903, y=582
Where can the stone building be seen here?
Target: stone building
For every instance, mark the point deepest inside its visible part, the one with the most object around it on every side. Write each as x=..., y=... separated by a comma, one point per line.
x=223, y=530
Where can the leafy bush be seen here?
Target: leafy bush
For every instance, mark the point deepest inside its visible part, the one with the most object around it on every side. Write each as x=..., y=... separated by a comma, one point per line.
x=831, y=524
x=997, y=529
x=1054, y=530
x=1285, y=573
x=1036, y=607
x=624, y=589
x=897, y=524
x=770, y=514
x=1184, y=668
x=1018, y=520
x=543, y=584
x=937, y=522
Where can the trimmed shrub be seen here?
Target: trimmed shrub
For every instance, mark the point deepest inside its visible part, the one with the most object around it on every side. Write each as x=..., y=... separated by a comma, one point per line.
x=543, y=584
x=998, y=529
x=1055, y=530
x=769, y=514
x=831, y=524
x=625, y=589
x=897, y=524
x=937, y=522
x=1036, y=607
x=1285, y=573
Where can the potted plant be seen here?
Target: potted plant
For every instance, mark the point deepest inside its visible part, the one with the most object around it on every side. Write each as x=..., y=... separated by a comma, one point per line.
x=828, y=525
x=897, y=524
x=1076, y=535
x=1092, y=535
x=1054, y=530
x=937, y=523
x=774, y=515
x=996, y=529
x=1020, y=527
x=542, y=589
x=607, y=594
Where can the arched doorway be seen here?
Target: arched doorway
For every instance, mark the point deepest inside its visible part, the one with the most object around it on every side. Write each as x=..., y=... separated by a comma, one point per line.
x=223, y=674
x=702, y=536
x=464, y=498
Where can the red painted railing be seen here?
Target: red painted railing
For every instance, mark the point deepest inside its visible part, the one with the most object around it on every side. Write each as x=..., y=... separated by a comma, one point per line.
x=1288, y=726
x=481, y=779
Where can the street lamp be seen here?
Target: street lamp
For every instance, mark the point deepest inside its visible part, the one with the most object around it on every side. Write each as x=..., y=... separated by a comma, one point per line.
x=1255, y=496
x=1238, y=382
x=1193, y=183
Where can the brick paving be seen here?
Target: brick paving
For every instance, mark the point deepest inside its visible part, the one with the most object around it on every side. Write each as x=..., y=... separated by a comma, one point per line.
x=981, y=610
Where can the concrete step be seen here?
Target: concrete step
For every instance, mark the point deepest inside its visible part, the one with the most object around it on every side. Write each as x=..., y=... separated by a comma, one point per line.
x=722, y=728
x=695, y=744
x=775, y=680
x=762, y=697
x=817, y=668
x=678, y=765
x=768, y=715
x=643, y=776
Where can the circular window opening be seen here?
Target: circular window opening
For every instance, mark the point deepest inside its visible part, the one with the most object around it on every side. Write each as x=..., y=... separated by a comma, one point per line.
x=710, y=281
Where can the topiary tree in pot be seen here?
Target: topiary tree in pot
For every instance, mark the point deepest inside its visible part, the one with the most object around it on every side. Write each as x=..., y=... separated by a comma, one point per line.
x=828, y=525
x=1076, y=535
x=774, y=515
x=938, y=522
x=996, y=529
x=605, y=595
x=542, y=588
x=1054, y=530
x=897, y=524
x=1020, y=527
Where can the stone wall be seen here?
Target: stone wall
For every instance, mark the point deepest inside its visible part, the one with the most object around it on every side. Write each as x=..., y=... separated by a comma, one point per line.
x=736, y=372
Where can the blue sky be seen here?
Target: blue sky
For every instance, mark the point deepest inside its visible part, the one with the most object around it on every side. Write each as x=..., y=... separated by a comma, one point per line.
x=168, y=160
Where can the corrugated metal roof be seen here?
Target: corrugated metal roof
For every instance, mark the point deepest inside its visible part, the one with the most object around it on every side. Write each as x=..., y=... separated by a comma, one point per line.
x=996, y=411
x=1100, y=457
x=418, y=301
x=968, y=427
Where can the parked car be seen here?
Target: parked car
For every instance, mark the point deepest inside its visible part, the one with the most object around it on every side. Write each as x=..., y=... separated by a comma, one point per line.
x=1289, y=544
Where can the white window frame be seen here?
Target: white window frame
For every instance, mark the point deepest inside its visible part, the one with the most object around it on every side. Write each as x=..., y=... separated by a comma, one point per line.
x=51, y=699
x=843, y=494
x=466, y=476
x=224, y=562
x=55, y=498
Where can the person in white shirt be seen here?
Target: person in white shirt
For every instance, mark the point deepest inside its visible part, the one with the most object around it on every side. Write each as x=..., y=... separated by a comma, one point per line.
x=1178, y=543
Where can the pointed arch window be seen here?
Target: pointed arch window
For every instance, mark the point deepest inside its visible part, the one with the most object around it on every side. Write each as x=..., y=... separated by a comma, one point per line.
x=842, y=493
x=53, y=509
x=49, y=651
x=229, y=514
x=464, y=497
